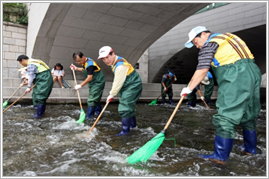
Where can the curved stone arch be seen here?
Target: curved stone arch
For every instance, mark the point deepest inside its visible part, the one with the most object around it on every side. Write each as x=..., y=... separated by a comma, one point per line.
x=48, y=30
x=129, y=28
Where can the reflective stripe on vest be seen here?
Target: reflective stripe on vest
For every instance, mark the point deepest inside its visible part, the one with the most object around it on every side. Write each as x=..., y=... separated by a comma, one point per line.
x=122, y=61
x=231, y=49
x=41, y=66
x=91, y=62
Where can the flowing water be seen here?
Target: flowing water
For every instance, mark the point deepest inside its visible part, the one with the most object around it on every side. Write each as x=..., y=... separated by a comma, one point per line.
x=54, y=146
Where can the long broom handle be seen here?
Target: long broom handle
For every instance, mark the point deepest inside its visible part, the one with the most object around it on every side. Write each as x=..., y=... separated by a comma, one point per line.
x=199, y=91
x=14, y=92
x=77, y=90
x=17, y=100
x=165, y=91
x=98, y=118
x=173, y=114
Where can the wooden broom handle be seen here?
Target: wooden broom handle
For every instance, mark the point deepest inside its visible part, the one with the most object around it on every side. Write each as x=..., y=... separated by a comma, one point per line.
x=14, y=92
x=77, y=90
x=173, y=114
x=17, y=100
x=98, y=118
x=199, y=91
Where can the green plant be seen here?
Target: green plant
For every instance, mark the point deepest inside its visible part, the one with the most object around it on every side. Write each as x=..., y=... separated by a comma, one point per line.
x=15, y=12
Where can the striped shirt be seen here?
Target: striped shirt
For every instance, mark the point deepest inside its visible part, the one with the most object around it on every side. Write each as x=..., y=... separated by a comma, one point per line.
x=32, y=70
x=206, y=55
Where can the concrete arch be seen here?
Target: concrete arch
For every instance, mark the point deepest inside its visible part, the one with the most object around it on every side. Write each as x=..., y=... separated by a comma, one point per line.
x=247, y=20
x=129, y=28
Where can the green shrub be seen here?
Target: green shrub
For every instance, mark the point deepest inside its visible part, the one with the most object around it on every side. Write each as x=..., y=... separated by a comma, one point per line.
x=15, y=12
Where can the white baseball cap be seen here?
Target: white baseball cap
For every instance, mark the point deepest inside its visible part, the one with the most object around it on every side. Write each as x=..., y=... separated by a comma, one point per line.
x=104, y=51
x=205, y=81
x=192, y=34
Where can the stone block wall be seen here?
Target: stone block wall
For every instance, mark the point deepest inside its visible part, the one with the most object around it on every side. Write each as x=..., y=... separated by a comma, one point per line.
x=14, y=44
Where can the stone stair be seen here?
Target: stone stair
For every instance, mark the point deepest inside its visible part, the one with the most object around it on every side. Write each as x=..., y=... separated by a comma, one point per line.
x=59, y=95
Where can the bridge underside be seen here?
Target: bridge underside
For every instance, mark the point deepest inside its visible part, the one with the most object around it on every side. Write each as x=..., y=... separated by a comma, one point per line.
x=129, y=28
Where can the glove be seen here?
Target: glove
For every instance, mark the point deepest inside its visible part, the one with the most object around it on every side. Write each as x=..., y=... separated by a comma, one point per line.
x=21, y=84
x=202, y=98
x=165, y=89
x=185, y=91
x=109, y=98
x=28, y=90
x=73, y=67
x=175, y=79
x=77, y=87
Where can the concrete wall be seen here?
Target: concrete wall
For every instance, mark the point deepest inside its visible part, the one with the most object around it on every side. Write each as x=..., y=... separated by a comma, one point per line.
x=14, y=44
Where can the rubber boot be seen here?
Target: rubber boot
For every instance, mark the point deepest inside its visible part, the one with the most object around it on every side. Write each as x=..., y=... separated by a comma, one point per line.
x=171, y=101
x=163, y=101
x=90, y=112
x=250, y=142
x=40, y=109
x=222, y=150
x=98, y=110
x=43, y=109
x=133, y=122
x=125, y=126
x=191, y=103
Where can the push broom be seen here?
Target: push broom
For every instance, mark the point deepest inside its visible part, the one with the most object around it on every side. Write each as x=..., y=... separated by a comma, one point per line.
x=155, y=101
x=146, y=151
x=88, y=134
x=17, y=100
x=82, y=113
x=6, y=102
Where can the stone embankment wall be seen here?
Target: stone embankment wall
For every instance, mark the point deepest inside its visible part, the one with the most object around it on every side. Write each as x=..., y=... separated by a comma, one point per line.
x=14, y=44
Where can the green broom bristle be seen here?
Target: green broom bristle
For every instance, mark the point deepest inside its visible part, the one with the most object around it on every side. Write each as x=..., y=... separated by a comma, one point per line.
x=153, y=102
x=5, y=104
x=82, y=116
x=146, y=151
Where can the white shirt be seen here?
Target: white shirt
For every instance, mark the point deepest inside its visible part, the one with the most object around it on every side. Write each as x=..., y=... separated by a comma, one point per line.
x=24, y=74
x=57, y=72
x=120, y=75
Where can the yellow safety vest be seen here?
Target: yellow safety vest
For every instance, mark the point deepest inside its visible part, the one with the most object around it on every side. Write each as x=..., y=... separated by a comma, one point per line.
x=41, y=66
x=231, y=49
x=91, y=62
x=122, y=61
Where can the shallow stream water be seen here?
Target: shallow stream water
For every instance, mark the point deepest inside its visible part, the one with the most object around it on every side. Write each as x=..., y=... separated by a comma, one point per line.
x=54, y=146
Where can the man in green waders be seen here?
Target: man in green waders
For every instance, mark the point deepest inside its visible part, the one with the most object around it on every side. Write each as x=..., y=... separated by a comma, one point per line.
x=239, y=80
x=192, y=98
x=39, y=74
x=168, y=79
x=208, y=83
x=127, y=84
x=95, y=80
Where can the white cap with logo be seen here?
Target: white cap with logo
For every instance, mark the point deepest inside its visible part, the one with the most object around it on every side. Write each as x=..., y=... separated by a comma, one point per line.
x=205, y=81
x=192, y=34
x=104, y=51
